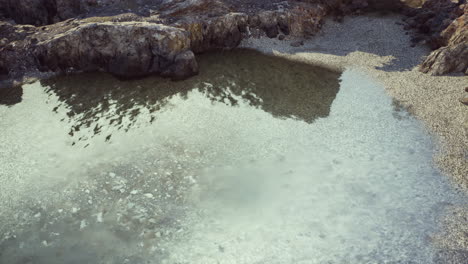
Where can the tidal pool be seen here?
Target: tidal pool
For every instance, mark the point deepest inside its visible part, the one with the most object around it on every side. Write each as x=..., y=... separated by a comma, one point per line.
x=256, y=160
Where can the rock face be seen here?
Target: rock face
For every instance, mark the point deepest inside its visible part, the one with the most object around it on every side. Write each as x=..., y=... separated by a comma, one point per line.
x=220, y=32
x=133, y=38
x=128, y=49
x=44, y=12
x=430, y=20
x=163, y=43
x=41, y=12
x=453, y=55
x=443, y=25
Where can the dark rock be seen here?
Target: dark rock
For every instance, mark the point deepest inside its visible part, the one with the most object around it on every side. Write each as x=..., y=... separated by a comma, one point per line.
x=432, y=19
x=297, y=43
x=219, y=32
x=453, y=56
x=184, y=66
x=11, y=95
x=283, y=25
x=125, y=49
x=271, y=31
x=281, y=37
x=464, y=100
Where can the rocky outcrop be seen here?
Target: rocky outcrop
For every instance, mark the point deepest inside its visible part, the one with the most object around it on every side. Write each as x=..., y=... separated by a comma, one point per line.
x=164, y=44
x=430, y=20
x=300, y=20
x=41, y=12
x=112, y=35
x=441, y=24
x=45, y=12
x=128, y=49
x=220, y=32
x=453, y=55
x=227, y=31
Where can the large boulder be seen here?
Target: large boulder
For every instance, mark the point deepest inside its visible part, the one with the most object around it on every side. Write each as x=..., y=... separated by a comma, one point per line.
x=127, y=49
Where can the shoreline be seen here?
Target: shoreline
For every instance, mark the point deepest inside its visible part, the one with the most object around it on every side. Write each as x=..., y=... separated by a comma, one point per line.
x=390, y=60
x=434, y=100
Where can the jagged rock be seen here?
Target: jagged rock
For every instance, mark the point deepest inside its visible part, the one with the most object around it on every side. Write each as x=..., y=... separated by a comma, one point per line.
x=41, y=12
x=430, y=20
x=220, y=32
x=121, y=40
x=44, y=12
x=228, y=30
x=453, y=56
x=127, y=49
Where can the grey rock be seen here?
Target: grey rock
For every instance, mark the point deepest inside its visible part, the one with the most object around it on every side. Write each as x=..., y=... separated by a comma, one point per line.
x=127, y=49
x=297, y=43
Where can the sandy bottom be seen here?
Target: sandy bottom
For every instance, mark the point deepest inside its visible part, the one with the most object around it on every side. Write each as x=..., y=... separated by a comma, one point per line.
x=380, y=47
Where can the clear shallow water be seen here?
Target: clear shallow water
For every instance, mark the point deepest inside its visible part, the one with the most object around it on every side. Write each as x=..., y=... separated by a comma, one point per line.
x=256, y=160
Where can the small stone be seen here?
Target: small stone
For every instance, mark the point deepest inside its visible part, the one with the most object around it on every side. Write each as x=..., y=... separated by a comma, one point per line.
x=148, y=195
x=99, y=217
x=134, y=192
x=83, y=224
x=111, y=174
x=464, y=100
x=466, y=89
x=297, y=43
x=37, y=215
x=220, y=248
x=281, y=37
x=74, y=210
